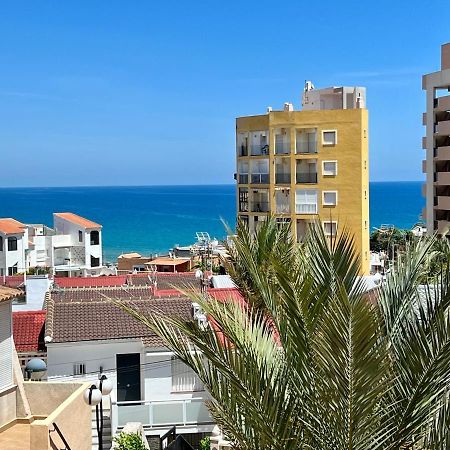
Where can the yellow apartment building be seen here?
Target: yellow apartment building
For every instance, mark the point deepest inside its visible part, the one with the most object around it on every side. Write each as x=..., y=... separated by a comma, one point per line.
x=309, y=165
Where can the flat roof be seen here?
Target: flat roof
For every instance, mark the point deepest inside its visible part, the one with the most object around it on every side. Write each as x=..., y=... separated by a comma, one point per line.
x=11, y=226
x=167, y=261
x=75, y=218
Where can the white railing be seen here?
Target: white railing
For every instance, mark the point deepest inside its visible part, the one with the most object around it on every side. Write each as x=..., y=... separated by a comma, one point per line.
x=160, y=413
x=306, y=208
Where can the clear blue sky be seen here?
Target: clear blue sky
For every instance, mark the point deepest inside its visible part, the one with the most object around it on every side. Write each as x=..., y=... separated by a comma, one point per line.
x=146, y=92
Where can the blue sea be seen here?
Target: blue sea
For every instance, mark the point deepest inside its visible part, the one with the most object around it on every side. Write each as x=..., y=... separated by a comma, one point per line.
x=152, y=219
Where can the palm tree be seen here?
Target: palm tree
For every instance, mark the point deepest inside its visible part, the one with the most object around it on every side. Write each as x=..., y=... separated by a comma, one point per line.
x=307, y=362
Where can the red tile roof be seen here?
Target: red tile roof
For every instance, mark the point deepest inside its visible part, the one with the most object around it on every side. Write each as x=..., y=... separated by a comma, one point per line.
x=227, y=294
x=11, y=226
x=73, y=282
x=74, y=218
x=28, y=330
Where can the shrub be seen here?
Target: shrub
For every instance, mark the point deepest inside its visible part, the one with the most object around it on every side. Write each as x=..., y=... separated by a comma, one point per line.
x=129, y=441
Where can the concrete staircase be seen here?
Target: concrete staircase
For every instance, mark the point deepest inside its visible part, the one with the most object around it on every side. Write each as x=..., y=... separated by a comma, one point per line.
x=107, y=432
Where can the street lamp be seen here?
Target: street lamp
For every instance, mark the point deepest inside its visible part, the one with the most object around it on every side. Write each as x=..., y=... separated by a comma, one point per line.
x=35, y=369
x=93, y=396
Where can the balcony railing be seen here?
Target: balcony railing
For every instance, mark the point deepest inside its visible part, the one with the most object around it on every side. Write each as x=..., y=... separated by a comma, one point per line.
x=260, y=178
x=259, y=150
x=163, y=413
x=306, y=147
x=243, y=206
x=243, y=178
x=283, y=208
x=306, y=208
x=259, y=206
x=282, y=148
x=283, y=178
x=243, y=150
x=304, y=178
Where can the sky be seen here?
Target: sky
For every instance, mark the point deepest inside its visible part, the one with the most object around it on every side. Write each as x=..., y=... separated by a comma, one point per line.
x=147, y=92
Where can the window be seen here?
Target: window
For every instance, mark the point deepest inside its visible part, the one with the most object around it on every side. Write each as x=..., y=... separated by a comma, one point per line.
x=1, y=243
x=95, y=262
x=329, y=168
x=12, y=270
x=79, y=369
x=330, y=228
x=183, y=377
x=329, y=137
x=306, y=201
x=80, y=236
x=12, y=244
x=95, y=237
x=329, y=198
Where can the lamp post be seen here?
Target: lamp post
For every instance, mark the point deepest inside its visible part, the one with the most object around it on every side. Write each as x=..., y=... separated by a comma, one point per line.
x=93, y=396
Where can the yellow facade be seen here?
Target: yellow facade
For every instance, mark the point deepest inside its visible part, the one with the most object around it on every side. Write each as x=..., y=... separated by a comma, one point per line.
x=282, y=171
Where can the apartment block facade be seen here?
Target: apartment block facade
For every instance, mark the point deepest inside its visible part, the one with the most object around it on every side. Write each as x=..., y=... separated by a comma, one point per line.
x=72, y=247
x=309, y=165
x=436, y=166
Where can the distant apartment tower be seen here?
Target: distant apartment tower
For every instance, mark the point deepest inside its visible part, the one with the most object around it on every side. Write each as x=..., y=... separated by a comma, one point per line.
x=437, y=145
x=309, y=165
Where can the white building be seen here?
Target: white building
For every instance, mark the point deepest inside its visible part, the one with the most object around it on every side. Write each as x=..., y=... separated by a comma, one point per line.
x=87, y=335
x=72, y=248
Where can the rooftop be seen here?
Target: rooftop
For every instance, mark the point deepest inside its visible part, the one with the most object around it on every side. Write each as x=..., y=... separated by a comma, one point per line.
x=72, y=282
x=11, y=226
x=7, y=293
x=78, y=220
x=168, y=261
x=28, y=330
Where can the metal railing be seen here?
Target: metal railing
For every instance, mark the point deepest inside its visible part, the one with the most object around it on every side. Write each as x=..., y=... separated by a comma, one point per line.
x=243, y=178
x=283, y=178
x=260, y=178
x=58, y=431
x=282, y=148
x=259, y=206
x=259, y=150
x=306, y=147
x=160, y=413
x=306, y=178
x=306, y=208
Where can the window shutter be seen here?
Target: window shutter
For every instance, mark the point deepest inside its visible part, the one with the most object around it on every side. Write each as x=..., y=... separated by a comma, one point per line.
x=6, y=346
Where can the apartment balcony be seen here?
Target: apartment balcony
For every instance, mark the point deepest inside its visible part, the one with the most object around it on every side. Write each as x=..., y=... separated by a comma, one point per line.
x=424, y=143
x=424, y=190
x=443, y=128
x=424, y=118
x=306, y=178
x=283, y=178
x=442, y=103
x=259, y=206
x=242, y=150
x=243, y=178
x=282, y=148
x=260, y=178
x=442, y=153
x=306, y=208
x=424, y=166
x=259, y=150
x=283, y=208
x=443, y=226
x=443, y=202
x=305, y=148
x=442, y=178
x=156, y=414
x=243, y=206
x=64, y=240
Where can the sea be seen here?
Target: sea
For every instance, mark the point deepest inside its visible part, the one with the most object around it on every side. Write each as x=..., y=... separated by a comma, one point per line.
x=152, y=219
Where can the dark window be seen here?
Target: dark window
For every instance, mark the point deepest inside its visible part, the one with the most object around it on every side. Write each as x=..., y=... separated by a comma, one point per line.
x=12, y=270
x=12, y=244
x=80, y=236
x=95, y=238
x=95, y=262
x=1, y=243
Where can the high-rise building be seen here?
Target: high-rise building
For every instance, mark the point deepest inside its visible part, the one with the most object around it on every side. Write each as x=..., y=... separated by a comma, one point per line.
x=437, y=145
x=309, y=165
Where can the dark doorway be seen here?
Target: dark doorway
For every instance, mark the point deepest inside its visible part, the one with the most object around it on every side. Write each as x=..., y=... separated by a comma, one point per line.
x=128, y=377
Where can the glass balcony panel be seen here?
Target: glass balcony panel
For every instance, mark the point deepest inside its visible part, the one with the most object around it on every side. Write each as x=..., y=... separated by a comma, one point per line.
x=306, y=147
x=282, y=148
x=243, y=178
x=306, y=177
x=306, y=208
x=197, y=412
x=284, y=178
x=283, y=208
x=133, y=413
x=260, y=178
x=259, y=149
x=261, y=206
x=167, y=413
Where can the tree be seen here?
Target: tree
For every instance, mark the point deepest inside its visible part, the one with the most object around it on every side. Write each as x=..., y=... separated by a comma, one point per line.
x=307, y=362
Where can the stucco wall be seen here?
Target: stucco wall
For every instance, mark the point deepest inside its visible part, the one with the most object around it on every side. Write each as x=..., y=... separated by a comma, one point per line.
x=7, y=405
